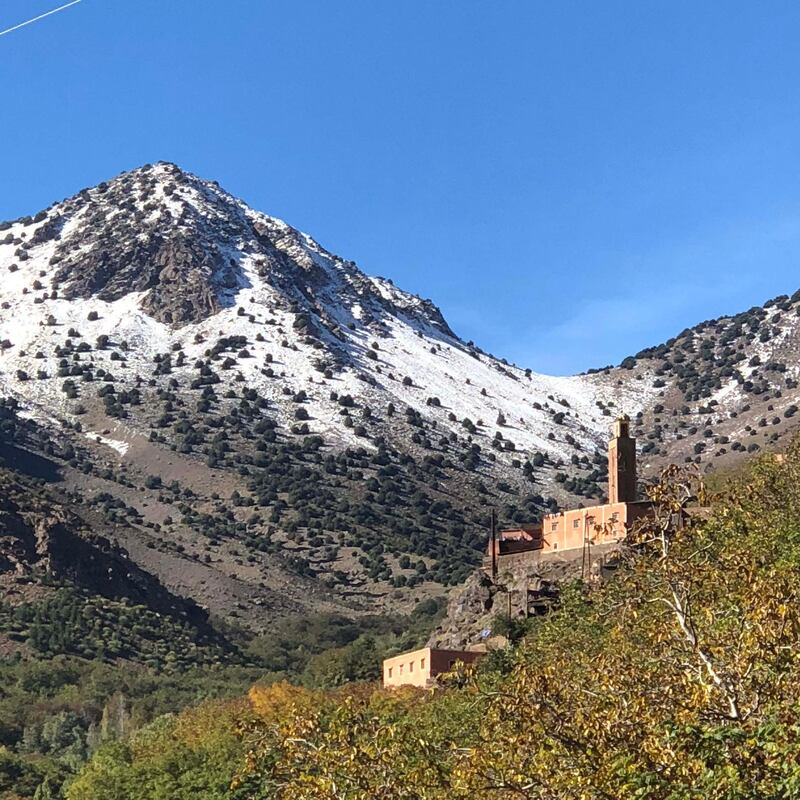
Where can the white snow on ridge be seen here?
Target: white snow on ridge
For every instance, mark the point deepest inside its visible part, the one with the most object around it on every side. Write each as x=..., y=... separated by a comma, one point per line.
x=466, y=385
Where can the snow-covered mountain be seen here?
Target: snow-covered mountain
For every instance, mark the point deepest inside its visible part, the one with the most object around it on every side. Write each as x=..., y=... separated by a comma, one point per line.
x=158, y=259
x=264, y=425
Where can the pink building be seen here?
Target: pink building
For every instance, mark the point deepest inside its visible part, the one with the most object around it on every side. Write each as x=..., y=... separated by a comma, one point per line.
x=604, y=524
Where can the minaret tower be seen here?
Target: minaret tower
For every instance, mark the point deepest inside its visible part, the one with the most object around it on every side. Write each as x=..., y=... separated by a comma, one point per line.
x=622, y=464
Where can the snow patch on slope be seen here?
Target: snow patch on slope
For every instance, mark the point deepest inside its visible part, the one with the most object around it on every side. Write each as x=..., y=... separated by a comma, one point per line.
x=449, y=380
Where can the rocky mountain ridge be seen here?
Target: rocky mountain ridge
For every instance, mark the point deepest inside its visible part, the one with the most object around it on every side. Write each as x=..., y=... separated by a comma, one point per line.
x=278, y=431
x=160, y=258
x=725, y=389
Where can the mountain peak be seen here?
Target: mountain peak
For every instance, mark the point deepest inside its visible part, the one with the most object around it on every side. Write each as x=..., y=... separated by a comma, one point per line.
x=187, y=248
x=157, y=260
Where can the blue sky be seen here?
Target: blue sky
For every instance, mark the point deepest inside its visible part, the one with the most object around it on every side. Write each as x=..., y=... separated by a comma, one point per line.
x=569, y=181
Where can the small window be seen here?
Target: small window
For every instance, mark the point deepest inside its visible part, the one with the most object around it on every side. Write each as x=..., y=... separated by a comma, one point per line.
x=615, y=516
x=590, y=520
x=400, y=669
x=411, y=666
x=554, y=526
x=576, y=523
x=422, y=663
x=389, y=672
x=555, y=545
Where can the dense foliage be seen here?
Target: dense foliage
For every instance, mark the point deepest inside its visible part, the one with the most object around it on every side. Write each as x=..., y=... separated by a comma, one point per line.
x=676, y=679
x=57, y=711
x=73, y=622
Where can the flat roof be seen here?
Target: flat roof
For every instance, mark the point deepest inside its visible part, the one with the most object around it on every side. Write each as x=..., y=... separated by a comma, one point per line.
x=599, y=505
x=438, y=650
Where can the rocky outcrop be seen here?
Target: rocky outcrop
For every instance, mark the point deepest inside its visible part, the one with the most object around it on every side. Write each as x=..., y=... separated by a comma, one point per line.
x=188, y=279
x=469, y=611
x=38, y=537
x=182, y=275
x=521, y=589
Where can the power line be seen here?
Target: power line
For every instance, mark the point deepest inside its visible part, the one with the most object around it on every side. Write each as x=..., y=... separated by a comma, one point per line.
x=36, y=19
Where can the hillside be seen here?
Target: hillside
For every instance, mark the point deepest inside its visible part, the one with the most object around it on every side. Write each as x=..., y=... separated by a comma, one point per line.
x=724, y=388
x=287, y=431
x=268, y=431
x=676, y=679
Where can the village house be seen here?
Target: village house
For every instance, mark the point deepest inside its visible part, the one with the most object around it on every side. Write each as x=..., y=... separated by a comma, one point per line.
x=421, y=667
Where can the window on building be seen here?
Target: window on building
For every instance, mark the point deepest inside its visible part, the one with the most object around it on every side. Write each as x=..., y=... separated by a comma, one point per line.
x=411, y=666
x=554, y=526
x=576, y=523
x=422, y=663
x=555, y=545
x=400, y=669
x=615, y=516
x=590, y=520
x=390, y=672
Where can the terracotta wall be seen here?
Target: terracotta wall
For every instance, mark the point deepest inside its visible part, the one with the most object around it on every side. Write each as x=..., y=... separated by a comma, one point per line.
x=408, y=669
x=445, y=660
x=571, y=529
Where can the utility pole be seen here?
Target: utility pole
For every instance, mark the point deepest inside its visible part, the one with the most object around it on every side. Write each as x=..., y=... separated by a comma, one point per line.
x=585, y=547
x=493, y=525
x=525, y=597
x=583, y=551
